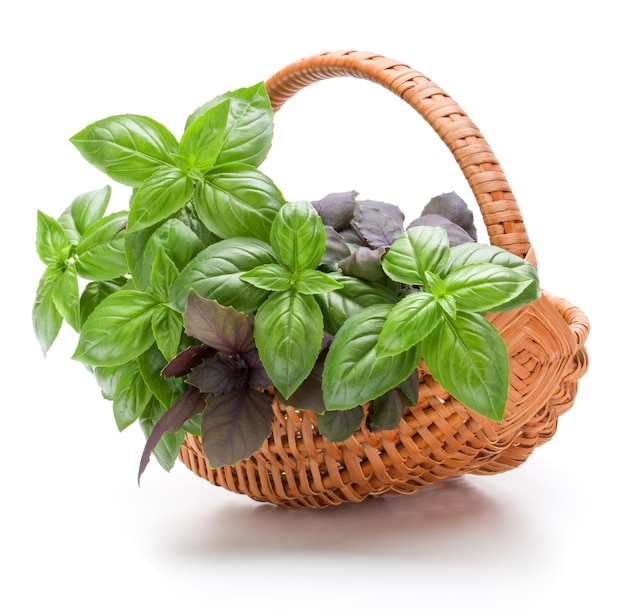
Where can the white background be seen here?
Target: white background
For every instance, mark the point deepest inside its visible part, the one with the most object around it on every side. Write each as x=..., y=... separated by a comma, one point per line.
x=543, y=81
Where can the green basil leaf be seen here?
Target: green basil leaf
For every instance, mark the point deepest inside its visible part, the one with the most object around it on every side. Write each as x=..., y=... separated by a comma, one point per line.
x=66, y=296
x=166, y=450
x=484, y=287
x=215, y=273
x=288, y=330
x=95, y=292
x=189, y=218
x=179, y=241
x=473, y=253
x=202, y=140
x=250, y=125
x=131, y=395
x=100, y=250
x=338, y=426
x=408, y=323
x=298, y=236
x=52, y=243
x=85, y=210
x=354, y=295
x=235, y=425
x=352, y=373
x=164, y=273
x=237, y=201
x=167, y=327
x=128, y=148
x=315, y=282
x=417, y=250
x=139, y=265
x=161, y=196
x=167, y=391
x=271, y=277
x=46, y=318
x=434, y=284
x=107, y=378
x=118, y=330
x=469, y=359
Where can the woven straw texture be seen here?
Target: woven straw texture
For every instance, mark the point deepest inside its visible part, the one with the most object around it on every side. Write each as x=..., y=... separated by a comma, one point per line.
x=438, y=438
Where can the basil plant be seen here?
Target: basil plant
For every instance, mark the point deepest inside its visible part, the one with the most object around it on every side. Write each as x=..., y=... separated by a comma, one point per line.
x=211, y=296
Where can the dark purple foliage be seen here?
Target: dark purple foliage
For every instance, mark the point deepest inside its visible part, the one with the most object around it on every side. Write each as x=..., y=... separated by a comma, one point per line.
x=227, y=380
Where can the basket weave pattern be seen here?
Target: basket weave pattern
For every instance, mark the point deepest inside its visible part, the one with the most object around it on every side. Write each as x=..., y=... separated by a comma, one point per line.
x=439, y=437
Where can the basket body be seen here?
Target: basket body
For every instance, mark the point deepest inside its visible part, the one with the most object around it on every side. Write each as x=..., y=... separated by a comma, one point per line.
x=438, y=438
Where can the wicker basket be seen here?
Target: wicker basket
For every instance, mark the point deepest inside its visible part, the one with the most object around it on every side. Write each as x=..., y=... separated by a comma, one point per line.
x=439, y=437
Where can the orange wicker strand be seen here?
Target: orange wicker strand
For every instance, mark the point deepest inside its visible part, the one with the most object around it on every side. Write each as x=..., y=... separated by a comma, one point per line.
x=438, y=438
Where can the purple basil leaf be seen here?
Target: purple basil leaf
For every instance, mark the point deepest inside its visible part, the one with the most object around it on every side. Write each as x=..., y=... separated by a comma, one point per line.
x=187, y=359
x=336, y=248
x=219, y=375
x=379, y=223
x=235, y=425
x=409, y=389
x=309, y=395
x=352, y=237
x=327, y=339
x=337, y=426
x=189, y=404
x=220, y=327
x=385, y=412
x=456, y=234
x=452, y=207
x=337, y=209
x=364, y=263
x=257, y=376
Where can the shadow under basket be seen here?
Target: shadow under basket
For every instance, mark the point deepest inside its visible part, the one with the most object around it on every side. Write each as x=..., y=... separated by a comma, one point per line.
x=440, y=437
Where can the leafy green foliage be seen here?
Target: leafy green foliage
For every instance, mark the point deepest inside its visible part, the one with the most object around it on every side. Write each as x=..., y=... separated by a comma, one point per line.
x=289, y=325
x=446, y=317
x=81, y=242
x=249, y=129
x=123, y=315
x=128, y=148
x=129, y=313
x=210, y=293
x=217, y=271
x=232, y=199
x=237, y=200
x=354, y=373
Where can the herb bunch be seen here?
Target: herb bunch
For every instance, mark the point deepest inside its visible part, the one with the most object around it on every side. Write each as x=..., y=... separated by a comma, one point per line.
x=211, y=295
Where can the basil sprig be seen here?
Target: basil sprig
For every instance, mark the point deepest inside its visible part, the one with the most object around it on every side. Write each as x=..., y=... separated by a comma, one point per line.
x=441, y=320
x=187, y=194
x=289, y=325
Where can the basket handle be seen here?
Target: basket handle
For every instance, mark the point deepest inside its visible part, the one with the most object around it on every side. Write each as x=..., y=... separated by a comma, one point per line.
x=474, y=156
